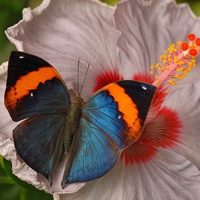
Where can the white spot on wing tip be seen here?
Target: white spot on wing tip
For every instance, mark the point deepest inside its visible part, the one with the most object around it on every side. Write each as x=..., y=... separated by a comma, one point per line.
x=144, y=87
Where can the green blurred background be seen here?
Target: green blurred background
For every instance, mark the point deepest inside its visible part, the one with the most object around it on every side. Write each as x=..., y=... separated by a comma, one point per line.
x=11, y=188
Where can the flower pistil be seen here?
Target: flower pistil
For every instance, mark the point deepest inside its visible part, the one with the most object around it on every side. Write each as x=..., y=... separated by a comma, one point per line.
x=176, y=61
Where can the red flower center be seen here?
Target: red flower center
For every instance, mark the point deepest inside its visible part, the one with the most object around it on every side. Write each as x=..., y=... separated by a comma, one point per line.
x=105, y=78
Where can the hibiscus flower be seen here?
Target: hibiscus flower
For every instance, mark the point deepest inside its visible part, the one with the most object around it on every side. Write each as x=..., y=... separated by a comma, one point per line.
x=164, y=162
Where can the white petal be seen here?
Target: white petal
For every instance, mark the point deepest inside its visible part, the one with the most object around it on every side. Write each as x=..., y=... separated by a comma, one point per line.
x=3, y=68
x=6, y=124
x=56, y=197
x=186, y=101
x=149, y=28
x=64, y=31
x=167, y=176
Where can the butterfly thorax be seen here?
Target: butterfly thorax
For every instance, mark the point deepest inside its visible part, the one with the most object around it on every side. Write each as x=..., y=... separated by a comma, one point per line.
x=73, y=118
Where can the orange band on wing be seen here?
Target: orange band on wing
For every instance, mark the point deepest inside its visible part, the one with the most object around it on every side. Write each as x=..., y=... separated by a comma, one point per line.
x=128, y=108
x=29, y=82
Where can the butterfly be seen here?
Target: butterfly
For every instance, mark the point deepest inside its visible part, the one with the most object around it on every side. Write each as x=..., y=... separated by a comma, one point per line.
x=89, y=137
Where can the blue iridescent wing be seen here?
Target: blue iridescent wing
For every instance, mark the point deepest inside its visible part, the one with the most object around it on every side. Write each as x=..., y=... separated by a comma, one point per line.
x=111, y=120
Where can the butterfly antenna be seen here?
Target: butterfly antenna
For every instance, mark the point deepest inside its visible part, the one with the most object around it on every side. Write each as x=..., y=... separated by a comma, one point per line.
x=77, y=86
x=85, y=77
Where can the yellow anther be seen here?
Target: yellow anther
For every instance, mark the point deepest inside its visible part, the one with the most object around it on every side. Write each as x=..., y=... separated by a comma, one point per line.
x=179, y=43
x=171, y=49
x=157, y=80
x=180, y=63
x=165, y=62
x=152, y=67
x=157, y=65
x=192, y=63
x=167, y=67
x=163, y=57
x=178, y=69
x=172, y=82
x=185, y=71
x=176, y=75
x=176, y=60
x=169, y=59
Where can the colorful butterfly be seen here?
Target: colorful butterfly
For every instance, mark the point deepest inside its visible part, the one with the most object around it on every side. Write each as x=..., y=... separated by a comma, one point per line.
x=90, y=138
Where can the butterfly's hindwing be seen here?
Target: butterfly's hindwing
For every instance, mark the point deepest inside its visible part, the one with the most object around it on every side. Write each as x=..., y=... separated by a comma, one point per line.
x=96, y=154
x=39, y=142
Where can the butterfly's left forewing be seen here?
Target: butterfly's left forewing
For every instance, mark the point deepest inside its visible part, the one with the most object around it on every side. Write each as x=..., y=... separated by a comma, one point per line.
x=112, y=120
x=33, y=87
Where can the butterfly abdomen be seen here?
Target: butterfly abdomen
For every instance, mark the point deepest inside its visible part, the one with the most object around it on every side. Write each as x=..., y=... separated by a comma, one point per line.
x=71, y=137
x=73, y=120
